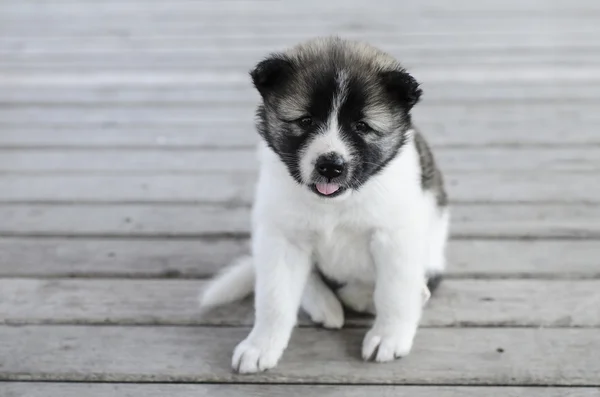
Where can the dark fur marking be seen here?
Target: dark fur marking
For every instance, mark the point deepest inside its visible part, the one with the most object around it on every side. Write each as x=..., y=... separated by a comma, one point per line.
x=402, y=87
x=323, y=91
x=433, y=282
x=270, y=73
x=431, y=176
x=332, y=283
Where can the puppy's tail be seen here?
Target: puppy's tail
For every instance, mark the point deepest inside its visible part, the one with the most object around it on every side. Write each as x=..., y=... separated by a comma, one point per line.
x=234, y=283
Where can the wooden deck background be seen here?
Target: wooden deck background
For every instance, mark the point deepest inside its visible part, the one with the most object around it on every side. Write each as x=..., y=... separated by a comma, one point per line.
x=126, y=171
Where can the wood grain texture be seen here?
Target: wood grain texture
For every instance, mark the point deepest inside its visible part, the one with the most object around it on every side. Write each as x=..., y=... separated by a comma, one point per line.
x=511, y=7
x=95, y=220
x=222, y=161
x=209, y=117
x=238, y=188
x=33, y=389
x=480, y=303
x=126, y=129
x=481, y=62
x=20, y=88
x=195, y=354
x=51, y=257
x=199, y=258
x=263, y=42
x=242, y=134
x=376, y=21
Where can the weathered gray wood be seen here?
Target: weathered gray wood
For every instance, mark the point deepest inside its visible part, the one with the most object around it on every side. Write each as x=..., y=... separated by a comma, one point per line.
x=512, y=7
x=411, y=18
x=23, y=89
x=164, y=354
x=176, y=22
x=147, y=74
x=33, y=389
x=236, y=42
x=241, y=160
x=208, y=117
x=122, y=220
x=417, y=57
x=139, y=258
x=493, y=187
x=478, y=303
x=189, y=62
x=472, y=220
x=242, y=134
x=197, y=258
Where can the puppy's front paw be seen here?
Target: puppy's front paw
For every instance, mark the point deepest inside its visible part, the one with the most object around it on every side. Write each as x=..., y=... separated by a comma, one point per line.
x=386, y=343
x=251, y=356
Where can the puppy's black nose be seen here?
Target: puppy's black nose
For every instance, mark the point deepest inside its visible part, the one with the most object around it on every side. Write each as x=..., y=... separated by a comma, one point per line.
x=330, y=165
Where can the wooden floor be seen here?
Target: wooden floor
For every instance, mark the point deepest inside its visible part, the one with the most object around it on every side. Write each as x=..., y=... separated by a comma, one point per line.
x=126, y=172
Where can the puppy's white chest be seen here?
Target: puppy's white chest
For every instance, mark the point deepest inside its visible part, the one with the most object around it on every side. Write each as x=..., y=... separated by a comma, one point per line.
x=343, y=255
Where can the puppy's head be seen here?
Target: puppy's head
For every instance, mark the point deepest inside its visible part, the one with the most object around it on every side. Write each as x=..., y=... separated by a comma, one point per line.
x=335, y=112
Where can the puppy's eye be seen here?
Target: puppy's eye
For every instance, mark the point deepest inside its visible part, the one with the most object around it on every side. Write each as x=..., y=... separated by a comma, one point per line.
x=305, y=122
x=362, y=127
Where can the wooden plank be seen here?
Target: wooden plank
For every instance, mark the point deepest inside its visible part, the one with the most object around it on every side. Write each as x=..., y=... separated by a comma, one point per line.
x=24, y=89
x=413, y=19
x=178, y=24
x=217, y=79
x=478, y=303
x=451, y=115
x=446, y=356
x=94, y=220
x=461, y=5
x=108, y=221
x=242, y=134
x=109, y=135
x=33, y=389
x=190, y=62
x=195, y=258
x=265, y=42
x=185, y=11
x=488, y=187
x=242, y=160
x=198, y=258
x=255, y=8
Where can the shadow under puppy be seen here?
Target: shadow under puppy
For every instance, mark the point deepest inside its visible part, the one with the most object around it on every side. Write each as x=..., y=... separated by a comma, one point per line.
x=350, y=207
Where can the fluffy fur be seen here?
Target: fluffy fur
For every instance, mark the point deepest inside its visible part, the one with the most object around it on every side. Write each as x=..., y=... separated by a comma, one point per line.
x=350, y=208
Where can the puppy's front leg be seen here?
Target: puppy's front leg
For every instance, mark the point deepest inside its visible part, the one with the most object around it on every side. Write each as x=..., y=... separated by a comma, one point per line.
x=282, y=268
x=399, y=265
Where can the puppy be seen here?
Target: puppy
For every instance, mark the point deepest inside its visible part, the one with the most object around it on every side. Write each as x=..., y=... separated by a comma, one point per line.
x=350, y=207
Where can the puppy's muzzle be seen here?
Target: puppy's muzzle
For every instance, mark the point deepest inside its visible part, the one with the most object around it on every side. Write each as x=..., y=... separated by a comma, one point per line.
x=330, y=165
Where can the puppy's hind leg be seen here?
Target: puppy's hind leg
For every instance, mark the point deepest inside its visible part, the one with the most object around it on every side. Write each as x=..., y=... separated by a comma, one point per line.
x=321, y=304
x=358, y=297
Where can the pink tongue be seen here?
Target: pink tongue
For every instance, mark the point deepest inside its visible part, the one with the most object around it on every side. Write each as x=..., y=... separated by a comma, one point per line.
x=327, y=188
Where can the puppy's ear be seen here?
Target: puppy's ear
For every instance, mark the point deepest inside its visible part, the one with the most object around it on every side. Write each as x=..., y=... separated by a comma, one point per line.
x=270, y=73
x=403, y=87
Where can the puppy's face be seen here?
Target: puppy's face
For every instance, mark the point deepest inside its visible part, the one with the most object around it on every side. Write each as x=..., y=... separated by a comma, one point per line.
x=335, y=112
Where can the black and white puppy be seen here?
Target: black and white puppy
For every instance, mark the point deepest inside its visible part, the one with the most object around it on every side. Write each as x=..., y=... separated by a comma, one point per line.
x=348, y=192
